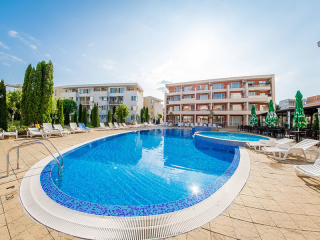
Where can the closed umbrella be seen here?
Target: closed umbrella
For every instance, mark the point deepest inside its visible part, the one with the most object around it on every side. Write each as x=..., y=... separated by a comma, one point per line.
x=272, y=117
x=253, y=118
x=299, y=119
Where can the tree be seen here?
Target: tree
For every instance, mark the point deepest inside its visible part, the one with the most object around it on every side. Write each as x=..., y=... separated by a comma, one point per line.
x=37, y=95
x=142, y=114
x=25, y=92
x=47, y=91
x=113, y=114
x=278, y=107
x=93, y=115
x=96, y=118
x=146, y=116
x=315, y=122
x=80, y=113
x=84, y=116
x=14, y=103
x=122, y=112
x=171, y=114
x=211, y=116
x=75, y=117
x=69, y=106
x=3, y=107
x=159, y=115
x=54, y=110
x=60, y=119
x=109, y=116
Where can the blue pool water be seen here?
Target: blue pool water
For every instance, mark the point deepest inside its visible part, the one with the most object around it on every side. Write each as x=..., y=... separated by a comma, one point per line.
x=233, y=136
x=162, y=170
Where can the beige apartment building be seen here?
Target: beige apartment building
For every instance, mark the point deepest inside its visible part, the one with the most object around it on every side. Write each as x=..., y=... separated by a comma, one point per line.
x=154, y=105
x=229, y=98
x=106, y=95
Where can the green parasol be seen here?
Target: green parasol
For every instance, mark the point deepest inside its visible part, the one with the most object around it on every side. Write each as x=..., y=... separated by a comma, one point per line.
x=299, y=119
x=253, y=118
x=271, y=115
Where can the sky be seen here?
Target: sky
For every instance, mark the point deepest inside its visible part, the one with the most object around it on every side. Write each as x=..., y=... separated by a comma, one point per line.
x=157, y=42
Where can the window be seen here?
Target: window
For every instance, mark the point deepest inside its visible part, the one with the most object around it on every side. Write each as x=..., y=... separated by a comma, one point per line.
x=251, y=83
x=188, y=89
x=121, y=90
x=91, y=99
x=203, y=108
x=55, y=92
x=203, y=87
x=188, y=119
x=255, y=105
x=103, y=116
x=188, y=97
x=151, y=101
x=103, y=98
x=103, y=107
x=218, y=96
x=169, y=118
x=252, y=94
x=236, y=107
x=262, y=82
x=203, y=97
x=151, y=107
x=218, y=108
x=235, y=95
x=292, y=104
x=112, y=90
x=234, y=85
x=77, y=99
x=263, y=94
x=134, y=98
x=134, y=108
x=235, y=121
x=176, y=119
x=217, y=86
x=71, y=98
x=176, y=98
x=176, y=108
x=67, y=90
x=218, y=119
x=85, y=91
x=264, y=107
x=133, y=117
x=170, y=109
x=187, y=108
x=202, y=119
x=177, y=89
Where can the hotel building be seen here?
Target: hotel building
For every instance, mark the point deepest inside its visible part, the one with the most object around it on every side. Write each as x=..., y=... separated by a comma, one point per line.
x=154, y=105
x=106, y=95
x=229, y=98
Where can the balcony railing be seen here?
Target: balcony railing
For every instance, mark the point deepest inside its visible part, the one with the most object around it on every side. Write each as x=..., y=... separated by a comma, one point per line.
x=203, y=88
x=188, y=109
x=115, y=102
x=202, y=109
x=190, y=89
x=258, y=85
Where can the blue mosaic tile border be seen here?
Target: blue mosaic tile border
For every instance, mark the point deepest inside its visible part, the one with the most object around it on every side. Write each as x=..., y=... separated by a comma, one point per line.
x=132, y=211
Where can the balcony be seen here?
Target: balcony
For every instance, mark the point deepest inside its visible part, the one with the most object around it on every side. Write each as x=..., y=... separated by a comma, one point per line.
x=115, y=102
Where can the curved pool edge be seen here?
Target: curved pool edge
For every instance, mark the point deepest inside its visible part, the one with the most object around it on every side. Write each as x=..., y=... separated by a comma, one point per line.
x=46, y=211
x=228, y=142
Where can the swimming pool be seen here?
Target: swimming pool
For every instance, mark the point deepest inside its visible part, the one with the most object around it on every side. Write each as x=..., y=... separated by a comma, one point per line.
x=164, y=195
x=139, y=173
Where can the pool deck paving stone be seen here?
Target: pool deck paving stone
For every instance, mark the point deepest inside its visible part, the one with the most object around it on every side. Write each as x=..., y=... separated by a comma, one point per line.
x=274, y=203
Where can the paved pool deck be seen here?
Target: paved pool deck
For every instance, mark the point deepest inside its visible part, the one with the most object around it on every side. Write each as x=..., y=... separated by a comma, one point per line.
x=274, y=204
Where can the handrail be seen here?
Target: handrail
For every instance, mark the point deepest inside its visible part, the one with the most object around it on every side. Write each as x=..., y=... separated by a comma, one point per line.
x=38, y=140
x=25, y=145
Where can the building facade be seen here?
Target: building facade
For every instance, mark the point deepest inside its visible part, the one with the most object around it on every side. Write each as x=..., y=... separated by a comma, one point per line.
x=154, y=106
x=106, y=95
x=287, y=103
x=229, y=98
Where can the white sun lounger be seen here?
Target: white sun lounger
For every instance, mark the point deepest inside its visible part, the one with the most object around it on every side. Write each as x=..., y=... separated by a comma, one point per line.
x=103, y=127
x=258, y=145
x=47, y=127
x=285, y=149
x=112, y=127
x=63, y=131
x=117, y=126
x=74, y=128
x=170, y=125
x=308, y=170
x=34, y=132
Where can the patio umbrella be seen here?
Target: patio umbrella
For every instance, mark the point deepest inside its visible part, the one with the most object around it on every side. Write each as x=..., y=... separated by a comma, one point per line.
x=271, y=115
x=253, y=118
x=299, y=119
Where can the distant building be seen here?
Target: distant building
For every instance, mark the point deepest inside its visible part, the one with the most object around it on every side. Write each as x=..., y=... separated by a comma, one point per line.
x=287, y=103
x=106, y=95
x=313, y=99
x=154, y=105
x=229, y=98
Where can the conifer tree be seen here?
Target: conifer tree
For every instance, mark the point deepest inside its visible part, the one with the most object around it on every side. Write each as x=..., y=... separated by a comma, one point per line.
x=75, y=117
x=84, y=116
x=146, y=118
x=97, y=122
x=113, y=114
x=142, y=114
x=31, y=106
x=60, y=119
x=80, y=113
x=93, y=116
x=3, y=107
x=109, y=116
x=25, y=92
x=47, y=90
x=37, y=95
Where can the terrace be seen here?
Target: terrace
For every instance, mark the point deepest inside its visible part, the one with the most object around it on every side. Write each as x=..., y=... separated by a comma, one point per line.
x=274, y=204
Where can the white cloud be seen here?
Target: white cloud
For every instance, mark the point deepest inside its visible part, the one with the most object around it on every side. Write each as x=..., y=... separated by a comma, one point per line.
x=15, y=34
x=165, y=82
x=11, y=57
x=33, y=47
x=90, y=44
x=4, y=46
x=7, y=64
x=84, y=55
x=48, y=55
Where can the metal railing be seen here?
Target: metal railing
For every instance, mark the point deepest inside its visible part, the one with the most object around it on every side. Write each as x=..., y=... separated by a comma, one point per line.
x=32, y=142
